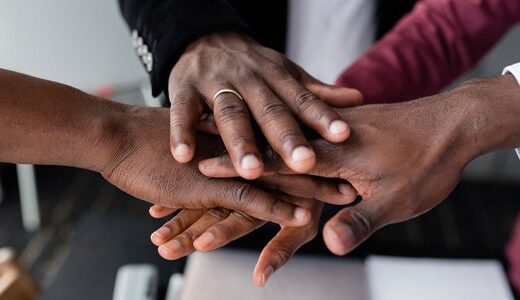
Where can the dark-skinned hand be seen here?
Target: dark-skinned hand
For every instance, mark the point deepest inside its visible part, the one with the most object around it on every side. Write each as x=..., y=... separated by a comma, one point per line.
x=404, y=159
x=277, y=94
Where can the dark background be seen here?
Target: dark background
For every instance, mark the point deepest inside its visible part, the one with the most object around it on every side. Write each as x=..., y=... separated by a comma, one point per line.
x=90, y=229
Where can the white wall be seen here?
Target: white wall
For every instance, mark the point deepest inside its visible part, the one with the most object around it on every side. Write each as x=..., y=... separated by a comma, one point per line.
x=85, y=43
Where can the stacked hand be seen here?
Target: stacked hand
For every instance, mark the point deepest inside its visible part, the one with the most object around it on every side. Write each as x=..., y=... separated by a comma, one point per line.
x=141, y=164
x=276, y=95
x=403, y=159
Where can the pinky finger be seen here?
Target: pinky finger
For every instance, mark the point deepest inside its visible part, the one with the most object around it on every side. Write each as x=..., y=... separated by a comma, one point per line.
x=235, y=226
x=159, y=212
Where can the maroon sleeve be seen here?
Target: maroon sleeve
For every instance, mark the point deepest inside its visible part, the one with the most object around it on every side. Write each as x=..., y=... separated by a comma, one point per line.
x=430, y=47
x=513, y=254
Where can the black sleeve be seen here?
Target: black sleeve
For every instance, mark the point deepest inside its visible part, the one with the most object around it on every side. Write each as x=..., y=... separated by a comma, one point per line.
x=164, y=28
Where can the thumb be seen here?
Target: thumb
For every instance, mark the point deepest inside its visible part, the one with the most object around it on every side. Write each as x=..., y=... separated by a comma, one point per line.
x=329, y=160
x=349, y=228
x=336, y=96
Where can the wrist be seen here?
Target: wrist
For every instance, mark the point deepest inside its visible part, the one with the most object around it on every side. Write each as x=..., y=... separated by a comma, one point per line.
x=104, y=134
x=224, y=39
x=494, y=111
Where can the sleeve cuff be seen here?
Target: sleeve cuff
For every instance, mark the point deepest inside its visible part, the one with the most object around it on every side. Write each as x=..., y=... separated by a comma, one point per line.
x=515, y=71
x=164, y=29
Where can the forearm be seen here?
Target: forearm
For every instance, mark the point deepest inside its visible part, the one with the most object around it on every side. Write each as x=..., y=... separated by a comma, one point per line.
x=43, y=122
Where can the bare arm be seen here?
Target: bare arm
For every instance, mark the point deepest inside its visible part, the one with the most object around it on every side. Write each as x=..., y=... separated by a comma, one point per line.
x=43, y=122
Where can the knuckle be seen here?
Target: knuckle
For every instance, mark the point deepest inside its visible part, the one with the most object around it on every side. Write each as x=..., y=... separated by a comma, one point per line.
x=187, y=236
x=283, y=254
x=176, y=224
x=177, y=124
x=218, y=213
x=230, y=111
x=240, y=142
x=273, y=207
x=179, y=102
x=247, y=75
x=243, y=195
x=276, y=72
x=304, y=100
x=288, y=136
x=320, y=113
x=274, y=110
x=216, y=75
x=362, y=225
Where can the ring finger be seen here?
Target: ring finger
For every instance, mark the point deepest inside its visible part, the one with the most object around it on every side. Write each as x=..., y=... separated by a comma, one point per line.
x=182, y=244
x=232, y=119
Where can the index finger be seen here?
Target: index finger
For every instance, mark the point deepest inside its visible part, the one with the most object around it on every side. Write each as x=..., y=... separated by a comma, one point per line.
x=333, y=191
x=185, y=110
x=327, y=165
x=282, y=247
x=246, y=198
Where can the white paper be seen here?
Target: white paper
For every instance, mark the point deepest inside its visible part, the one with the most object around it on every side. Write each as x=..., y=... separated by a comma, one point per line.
x=228, y=275
x=391, y=278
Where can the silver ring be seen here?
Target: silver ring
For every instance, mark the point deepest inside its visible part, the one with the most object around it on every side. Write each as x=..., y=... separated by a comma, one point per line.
x=224, y=91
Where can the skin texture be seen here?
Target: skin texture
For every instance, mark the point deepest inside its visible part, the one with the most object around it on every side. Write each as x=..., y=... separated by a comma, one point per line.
x=277, y=94
x=47, y=123
x=404, y=159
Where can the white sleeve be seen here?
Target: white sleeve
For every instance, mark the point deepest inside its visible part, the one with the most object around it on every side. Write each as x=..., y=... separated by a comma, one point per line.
x=515, y=71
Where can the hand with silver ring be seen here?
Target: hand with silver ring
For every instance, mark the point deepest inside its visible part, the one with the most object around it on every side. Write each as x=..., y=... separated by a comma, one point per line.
x=236, y=81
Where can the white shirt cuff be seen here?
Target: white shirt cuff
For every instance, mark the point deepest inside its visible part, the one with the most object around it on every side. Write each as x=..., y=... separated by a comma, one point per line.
x=515, y=71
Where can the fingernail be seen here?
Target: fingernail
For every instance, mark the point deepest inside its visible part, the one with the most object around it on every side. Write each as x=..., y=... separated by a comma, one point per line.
x=152, y=211
x=160, y=234
x=165, y=252
x=344, y=237
x=301, y=214
x=174, y=245
x=206, y=238
x=181, y=150
x=267, y=273
x=164, y=231
x=250, y=162
x=169, y=248
x=345, y=189
x=338, y=127
x=301, y=153
x=207, y=164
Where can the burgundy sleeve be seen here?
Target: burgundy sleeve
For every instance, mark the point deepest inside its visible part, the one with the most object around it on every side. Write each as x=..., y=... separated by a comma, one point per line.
x=429, y=48
x=513, y=254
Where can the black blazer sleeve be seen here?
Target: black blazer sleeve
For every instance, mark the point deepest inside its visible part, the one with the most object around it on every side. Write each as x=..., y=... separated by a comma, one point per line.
x=162, y=29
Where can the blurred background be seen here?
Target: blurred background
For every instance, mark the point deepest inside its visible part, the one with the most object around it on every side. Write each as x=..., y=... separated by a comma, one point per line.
x=88, y=229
